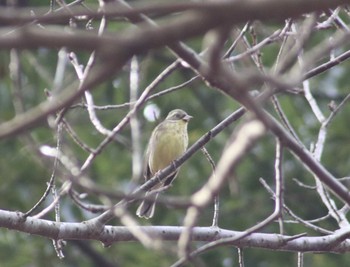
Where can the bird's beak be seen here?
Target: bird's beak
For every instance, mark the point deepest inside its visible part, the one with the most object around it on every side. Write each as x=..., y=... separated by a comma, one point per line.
x=187, y=118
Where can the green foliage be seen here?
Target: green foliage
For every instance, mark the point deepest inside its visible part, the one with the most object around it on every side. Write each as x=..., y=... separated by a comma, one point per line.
x=24, y=172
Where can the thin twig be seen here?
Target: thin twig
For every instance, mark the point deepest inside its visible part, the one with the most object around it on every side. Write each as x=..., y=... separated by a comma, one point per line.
x=126, y=119
x=134, y=123
x=245, y=138
x=279, y=180
x=215, y=222
x=291, y=213
x=240, y=257
x=300, y=259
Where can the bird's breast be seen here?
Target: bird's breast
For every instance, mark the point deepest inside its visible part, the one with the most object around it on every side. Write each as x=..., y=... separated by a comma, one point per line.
x=167, y=146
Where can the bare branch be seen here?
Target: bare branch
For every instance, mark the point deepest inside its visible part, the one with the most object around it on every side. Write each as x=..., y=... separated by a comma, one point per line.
x=60, y=230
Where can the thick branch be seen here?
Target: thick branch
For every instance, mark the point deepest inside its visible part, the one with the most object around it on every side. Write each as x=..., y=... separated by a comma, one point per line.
x=110, y=234
x=225, y=10
x=138, y=41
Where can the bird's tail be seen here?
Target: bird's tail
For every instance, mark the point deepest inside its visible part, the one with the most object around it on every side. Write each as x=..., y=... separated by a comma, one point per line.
x=146, y=208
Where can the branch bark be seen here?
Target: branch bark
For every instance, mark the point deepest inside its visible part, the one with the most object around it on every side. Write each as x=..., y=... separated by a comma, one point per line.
x=336, y=242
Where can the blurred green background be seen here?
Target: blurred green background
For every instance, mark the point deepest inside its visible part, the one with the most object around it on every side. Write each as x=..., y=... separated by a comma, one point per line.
x=244, y=201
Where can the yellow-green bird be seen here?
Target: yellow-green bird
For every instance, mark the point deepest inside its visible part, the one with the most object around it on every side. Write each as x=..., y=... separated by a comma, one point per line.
x=169, y=140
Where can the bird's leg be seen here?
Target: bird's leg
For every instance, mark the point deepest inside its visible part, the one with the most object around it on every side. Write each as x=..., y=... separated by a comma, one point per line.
x=174, y=164
x=157, y=176
x=160, y=189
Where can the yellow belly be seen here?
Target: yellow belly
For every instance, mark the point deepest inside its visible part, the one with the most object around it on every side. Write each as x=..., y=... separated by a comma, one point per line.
x=167, y=147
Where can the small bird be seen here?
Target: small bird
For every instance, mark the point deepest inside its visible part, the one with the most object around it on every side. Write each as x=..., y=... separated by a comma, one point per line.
x=169, y=140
